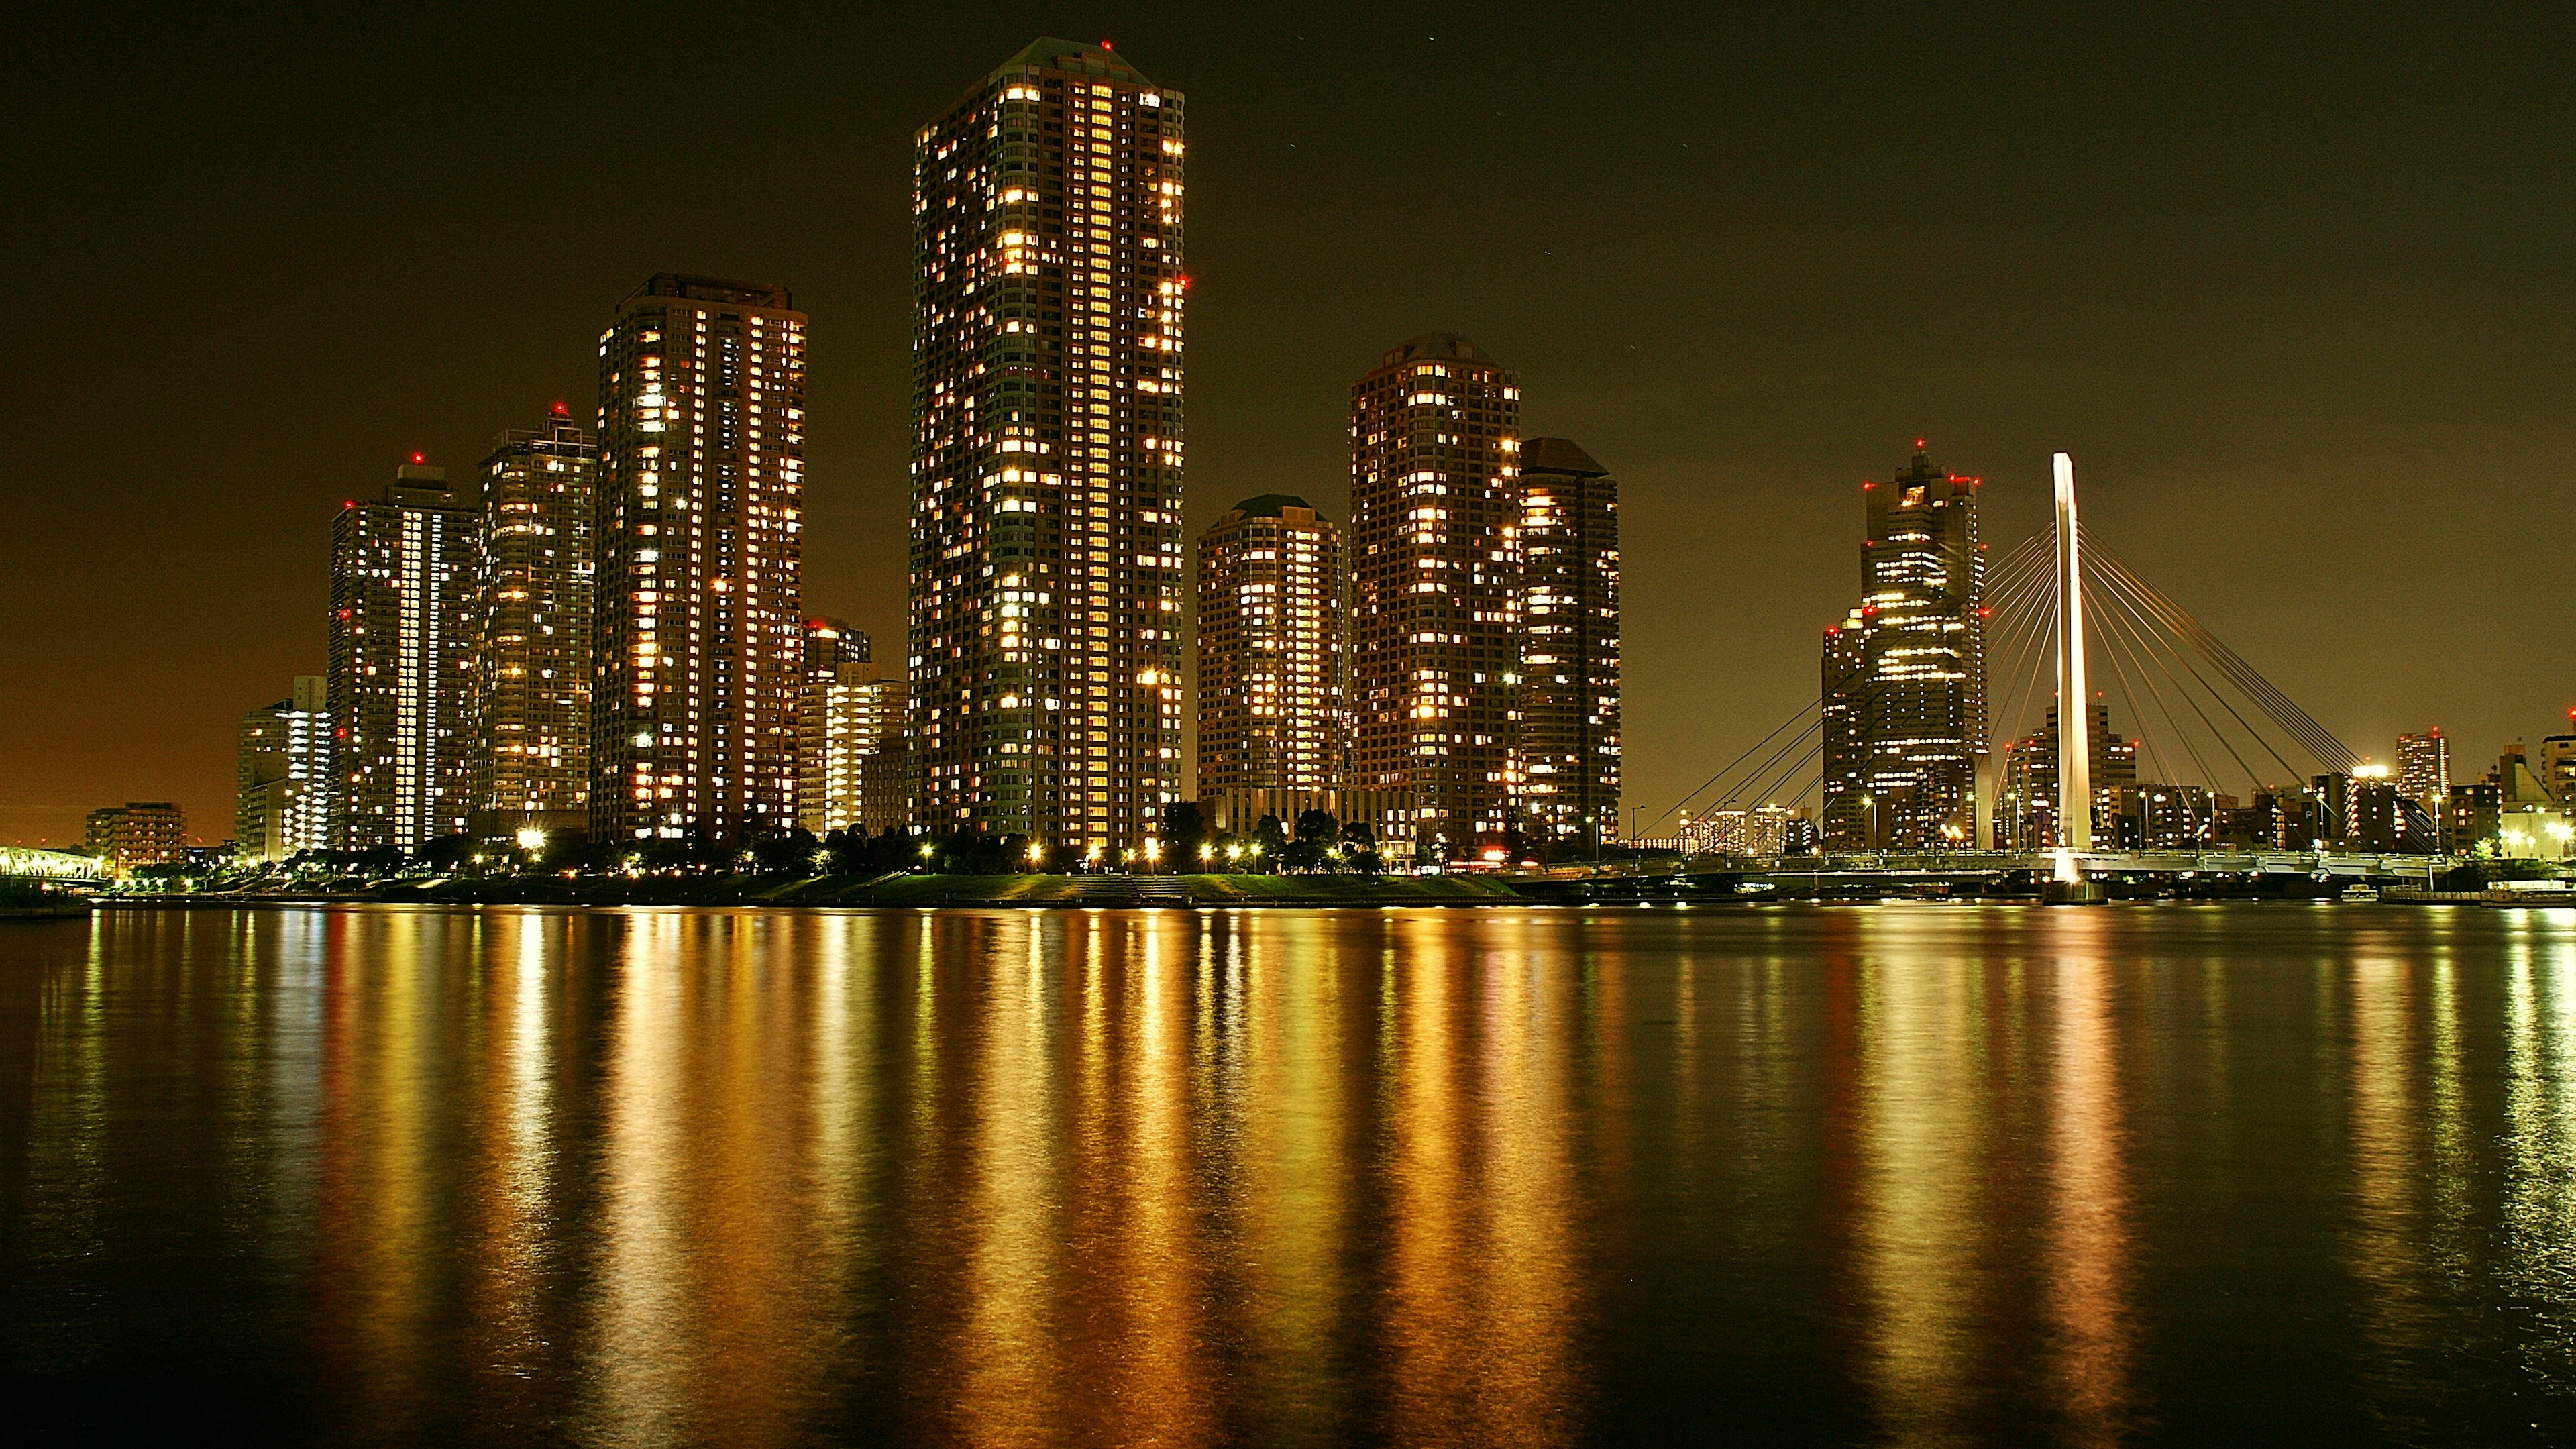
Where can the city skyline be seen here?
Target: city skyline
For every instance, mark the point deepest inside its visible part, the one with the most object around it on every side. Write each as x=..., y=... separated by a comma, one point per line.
x=2263, y=569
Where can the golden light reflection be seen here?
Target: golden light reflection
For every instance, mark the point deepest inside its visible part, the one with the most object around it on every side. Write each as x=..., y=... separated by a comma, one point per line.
x=2088, y=1269
x=1918, y=1228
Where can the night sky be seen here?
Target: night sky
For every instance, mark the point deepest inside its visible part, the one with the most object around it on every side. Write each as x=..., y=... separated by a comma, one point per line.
x=2295, y=292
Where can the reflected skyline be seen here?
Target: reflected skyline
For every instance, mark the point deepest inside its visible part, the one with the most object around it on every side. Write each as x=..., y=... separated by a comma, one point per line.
x=1495, y=1177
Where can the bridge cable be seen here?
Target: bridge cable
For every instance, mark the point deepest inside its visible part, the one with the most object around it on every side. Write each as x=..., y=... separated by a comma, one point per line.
x=2313, y=736
x=1684, y=802
x=2013, y=618
x=1763, y=770
x=2121, y=647
x=2149, y=635
x=2309, y=735
x=2121, y=582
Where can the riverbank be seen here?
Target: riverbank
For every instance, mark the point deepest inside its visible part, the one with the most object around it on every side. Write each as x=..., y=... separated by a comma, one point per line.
x=1070, y=891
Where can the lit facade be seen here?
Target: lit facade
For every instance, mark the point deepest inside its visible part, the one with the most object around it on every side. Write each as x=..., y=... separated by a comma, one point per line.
x=405, y=618
x=2424, y=768
x=1436, y=596
x=698, y=637
x=281, y=798
x=2026, y=817
x=1568, y=765
x=131, y=836
x=1046, y=578
x=533, y=672
x=1273, y=679
x=1910, y=756
x=851, y=756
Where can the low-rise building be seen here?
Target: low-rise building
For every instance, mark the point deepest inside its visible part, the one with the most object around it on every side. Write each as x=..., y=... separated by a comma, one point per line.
x=138, y=833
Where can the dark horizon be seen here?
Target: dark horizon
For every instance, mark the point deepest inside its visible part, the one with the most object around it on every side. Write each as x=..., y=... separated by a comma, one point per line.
x=2293, y=293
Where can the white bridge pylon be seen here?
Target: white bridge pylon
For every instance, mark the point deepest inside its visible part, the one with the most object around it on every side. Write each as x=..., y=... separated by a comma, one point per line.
x=2074, y=721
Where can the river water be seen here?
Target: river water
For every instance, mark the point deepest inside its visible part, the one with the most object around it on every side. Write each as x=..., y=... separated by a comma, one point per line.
x=1907, y=1174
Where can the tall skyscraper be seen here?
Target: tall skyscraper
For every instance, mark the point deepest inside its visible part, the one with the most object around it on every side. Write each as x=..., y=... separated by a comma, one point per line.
x=533, y=671
x=1909, y=764
x=1046, y=473
x=1435, y=513
x=1569, y=665
x=1274, y=708
x=281, y=801
x=405, y=618
x=698, y=640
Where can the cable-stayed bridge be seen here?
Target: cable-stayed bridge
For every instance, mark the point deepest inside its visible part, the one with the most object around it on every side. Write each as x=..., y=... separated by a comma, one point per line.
x=2058, y=791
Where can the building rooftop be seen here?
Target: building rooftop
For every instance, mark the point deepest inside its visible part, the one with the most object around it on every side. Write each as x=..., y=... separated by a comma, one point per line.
x=712, y=289
x=1049, y=53
x=1268, y=505
x=1434, y=344
x=1558, y=455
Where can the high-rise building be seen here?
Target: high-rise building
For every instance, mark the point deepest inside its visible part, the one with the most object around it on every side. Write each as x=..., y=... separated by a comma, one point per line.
x=1848, y=815
x=1274, y=681
x=531, y=762
x=1436, y=597
x=851, y=756
x=405, y=620
x=281, y=799
x=1569, y=666
x=2424, y=768
x=137, y=834
x=698, y=641
x=1913, y=749
x=2026, y=800
x=2558, y=767
x=1047, y=579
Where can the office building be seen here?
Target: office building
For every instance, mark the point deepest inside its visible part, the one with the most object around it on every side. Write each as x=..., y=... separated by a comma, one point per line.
x=1273, y=679
x=2424, y=767
x=406, y=571
x=1765, y=831
x=851, y=757
x=1568, y=766
x=1436, y=595
x=1046, y=570
x=1903, y=773
x=531, y=761
x=131, y=836
x=282, y=775
x=699, y=634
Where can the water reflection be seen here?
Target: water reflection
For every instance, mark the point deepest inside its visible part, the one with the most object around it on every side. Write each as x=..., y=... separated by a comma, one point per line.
x=1493, y=1177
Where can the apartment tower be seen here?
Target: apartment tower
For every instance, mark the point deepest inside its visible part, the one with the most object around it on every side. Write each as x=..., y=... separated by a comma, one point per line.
x=406, y=573
x=850, y=763
x=1902, y=771
x=282, y=775
x=1569, y=667
x=1046, y=570
x=1274, y=716
x=531, y=764
x=698, y=639
x=1435, y=514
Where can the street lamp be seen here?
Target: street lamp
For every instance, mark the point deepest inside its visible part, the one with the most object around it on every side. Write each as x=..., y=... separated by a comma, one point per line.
x=531, y=838
x=1153, y=850
x=1037, y=853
